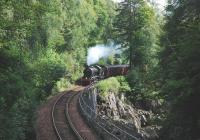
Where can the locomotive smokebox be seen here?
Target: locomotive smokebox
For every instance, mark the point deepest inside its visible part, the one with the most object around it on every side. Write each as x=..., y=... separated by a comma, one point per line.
x=86, y=71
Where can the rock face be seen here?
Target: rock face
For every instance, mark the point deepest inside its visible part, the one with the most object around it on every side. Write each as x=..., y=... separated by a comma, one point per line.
x=148, y=104
x=134, y=117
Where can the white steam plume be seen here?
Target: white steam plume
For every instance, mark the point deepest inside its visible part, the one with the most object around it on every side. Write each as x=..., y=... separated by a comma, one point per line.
x=101, y=51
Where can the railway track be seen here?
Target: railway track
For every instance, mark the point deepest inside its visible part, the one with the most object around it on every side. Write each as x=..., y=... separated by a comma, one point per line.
x=67, y=120
x=61, y=125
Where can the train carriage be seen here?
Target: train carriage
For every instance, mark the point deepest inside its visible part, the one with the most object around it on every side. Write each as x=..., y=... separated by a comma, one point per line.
x=98, y=72
x=116, y=70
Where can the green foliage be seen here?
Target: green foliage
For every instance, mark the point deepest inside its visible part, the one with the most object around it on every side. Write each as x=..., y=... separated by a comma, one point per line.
x=137, y=29
x=107, y=61
x=17, y=98
x=47, y=71
x=124, y=86
x=180, y=69
x=108, y=85
x=42, y=50
x=114, y=84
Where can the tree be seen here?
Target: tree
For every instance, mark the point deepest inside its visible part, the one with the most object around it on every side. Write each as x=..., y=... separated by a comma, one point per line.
x=40, y=42
x=134, y=16
x=180, y=67
x=137, y=29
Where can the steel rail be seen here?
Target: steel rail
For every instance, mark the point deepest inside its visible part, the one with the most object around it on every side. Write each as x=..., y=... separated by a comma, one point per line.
x=69, y=119
x=53, y=119
x=52, y=116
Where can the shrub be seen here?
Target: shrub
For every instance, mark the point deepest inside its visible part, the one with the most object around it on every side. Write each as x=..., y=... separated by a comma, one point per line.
x=108, y=85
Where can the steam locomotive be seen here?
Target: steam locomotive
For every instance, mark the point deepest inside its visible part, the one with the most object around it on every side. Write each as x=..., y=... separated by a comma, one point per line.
x=98, y=72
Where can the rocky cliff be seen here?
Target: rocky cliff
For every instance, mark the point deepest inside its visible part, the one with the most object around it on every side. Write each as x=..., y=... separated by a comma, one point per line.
x=137, y=117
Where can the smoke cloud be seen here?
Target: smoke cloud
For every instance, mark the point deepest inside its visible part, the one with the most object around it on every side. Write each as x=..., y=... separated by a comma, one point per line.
x=101, y=51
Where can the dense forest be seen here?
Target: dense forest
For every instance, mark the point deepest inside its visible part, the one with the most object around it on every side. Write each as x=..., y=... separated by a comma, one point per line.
x=43, y=49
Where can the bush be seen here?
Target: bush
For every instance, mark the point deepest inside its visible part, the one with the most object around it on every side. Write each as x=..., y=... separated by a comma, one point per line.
x=24, y=84
x=124, y=86
x=108, y=85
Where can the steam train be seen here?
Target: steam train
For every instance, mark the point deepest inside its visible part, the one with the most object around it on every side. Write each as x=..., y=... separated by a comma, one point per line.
x=98, y=72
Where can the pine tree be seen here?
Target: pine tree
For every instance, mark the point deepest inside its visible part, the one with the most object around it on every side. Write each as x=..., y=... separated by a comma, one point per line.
x=133, y=27
x=136, y=29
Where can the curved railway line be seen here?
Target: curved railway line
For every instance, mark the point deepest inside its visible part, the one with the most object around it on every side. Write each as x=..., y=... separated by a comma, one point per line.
x=67, y=120
x=60, y=123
